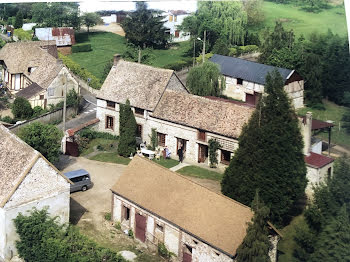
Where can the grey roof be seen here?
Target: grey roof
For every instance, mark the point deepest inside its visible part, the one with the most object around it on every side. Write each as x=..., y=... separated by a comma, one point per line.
x=30, y=91
x=246, y=70
x=76, y=173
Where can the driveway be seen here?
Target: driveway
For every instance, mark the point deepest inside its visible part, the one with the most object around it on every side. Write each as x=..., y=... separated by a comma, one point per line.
x=92, y=204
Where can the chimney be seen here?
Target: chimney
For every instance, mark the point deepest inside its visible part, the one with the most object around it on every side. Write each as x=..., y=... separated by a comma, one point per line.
x=307, y=133
x=116, y=59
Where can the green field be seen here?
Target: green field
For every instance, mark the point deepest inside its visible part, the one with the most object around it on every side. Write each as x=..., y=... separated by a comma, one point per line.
x=335, y=113
x=292, y=17
x=105, y=45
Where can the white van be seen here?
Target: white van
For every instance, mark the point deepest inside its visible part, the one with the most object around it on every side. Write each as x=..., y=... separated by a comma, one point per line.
x=80, y=178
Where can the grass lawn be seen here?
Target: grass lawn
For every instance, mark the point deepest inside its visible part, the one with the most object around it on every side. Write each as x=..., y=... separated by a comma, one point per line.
x=111, y=158
x=105, y=144
x=305, y=22
x=287, y=244
x=168, y=163
x=199, y=172
x=105, y=45
x=333, y=112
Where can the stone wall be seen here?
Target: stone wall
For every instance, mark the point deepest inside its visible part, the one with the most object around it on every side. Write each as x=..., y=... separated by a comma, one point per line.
x=316, y=176
x=42, y=187
x=159, y=230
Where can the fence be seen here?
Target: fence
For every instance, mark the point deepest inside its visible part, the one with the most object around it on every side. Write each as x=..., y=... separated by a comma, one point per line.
x=46, y=118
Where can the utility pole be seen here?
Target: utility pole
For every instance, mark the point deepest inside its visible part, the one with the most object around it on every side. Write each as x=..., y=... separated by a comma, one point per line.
x=194, y=51
x=205, y=35
x=64, y=103
x=139, y=58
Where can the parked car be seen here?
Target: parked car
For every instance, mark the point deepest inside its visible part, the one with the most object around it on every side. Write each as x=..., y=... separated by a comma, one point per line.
x=80, y=178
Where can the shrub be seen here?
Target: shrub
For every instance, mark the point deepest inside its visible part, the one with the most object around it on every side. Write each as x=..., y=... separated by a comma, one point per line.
x=92, y=80
x=8, y=119
x=178, y=65
x=154, y=139
x=241, y=50
x=199, y=59
x=163, y=251
x=84, y=47
x=108, y=216
x=23, y=35
x=43, y=239
x=38, y=110
x=130, y=233
x=21, y=108
x=117, y=225
x=44, y=138
x=214, y=145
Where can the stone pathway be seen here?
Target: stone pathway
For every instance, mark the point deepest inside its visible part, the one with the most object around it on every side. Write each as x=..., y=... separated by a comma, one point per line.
x=179, y=166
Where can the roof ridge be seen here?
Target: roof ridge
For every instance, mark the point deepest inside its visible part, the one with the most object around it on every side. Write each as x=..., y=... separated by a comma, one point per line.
x=149, y=66
x=185, y=178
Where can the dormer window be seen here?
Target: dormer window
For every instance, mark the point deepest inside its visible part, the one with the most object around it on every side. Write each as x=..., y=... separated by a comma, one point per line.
x=31, y=69
x=239, y=81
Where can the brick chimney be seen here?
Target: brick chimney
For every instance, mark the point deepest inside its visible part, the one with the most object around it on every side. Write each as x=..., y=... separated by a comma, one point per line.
x=116, y=59
x=307, y=133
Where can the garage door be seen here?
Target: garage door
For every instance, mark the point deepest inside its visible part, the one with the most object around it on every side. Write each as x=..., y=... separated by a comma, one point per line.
x=140, y=227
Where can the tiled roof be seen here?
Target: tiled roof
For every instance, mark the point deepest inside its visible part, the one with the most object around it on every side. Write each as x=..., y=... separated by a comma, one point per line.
x=143, y=85
x=72, y=131
x=317, y=160
x=206, y=114
x=214, y=218
x=46, y=72
x=15, y=158
x=30, y=91
x=246, y=70
x=318, y=124
x=21, y=55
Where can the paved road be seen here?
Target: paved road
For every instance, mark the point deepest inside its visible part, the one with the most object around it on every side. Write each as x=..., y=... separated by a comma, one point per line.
x=87, y=114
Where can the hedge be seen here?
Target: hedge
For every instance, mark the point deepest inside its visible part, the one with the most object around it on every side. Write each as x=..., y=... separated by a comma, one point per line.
x=241, y=50
x=86, y=47
x=92, y=80
x=179, y=65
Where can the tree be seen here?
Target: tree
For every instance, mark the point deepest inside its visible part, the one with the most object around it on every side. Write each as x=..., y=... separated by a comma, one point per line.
x=270, y=155
x=73, y=99
x=254, y=9
x=18, y=20
x=145, y=27
x=346, y=120
x=44, y=138
x=256, y=244
x=214, y=146
x=131, y=53
x=154, y=139
x=205, y=80
x=91, y=19
x=127, y=131
x=21, y=108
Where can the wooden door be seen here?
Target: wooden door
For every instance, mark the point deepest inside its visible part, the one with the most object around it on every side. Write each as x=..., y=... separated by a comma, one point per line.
x=72, y=149
x=250, y=99
x=140, y=227
x=202, y=153
x=187, y=257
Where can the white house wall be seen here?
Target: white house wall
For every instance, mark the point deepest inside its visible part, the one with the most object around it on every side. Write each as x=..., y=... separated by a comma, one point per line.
x=173, y=237
x=316, y=176
x=42, y=187
x=294, y=90
x=2, y=234
x=172, y=26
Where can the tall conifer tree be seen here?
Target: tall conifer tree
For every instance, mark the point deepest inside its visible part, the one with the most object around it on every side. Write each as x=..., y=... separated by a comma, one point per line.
x=270, y=155
x=127, y=130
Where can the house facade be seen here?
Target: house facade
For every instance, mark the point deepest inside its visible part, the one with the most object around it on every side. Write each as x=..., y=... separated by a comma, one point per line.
x=208, y=229
x=32, y=70
x=173, y=19
x=245, y=80
x=27, y=181
x=63, y=36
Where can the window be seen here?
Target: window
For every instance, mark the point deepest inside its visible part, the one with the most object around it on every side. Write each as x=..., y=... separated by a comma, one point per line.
x=160, y=227
x=175, y=18
x=139, y=131
x=201, y=135
x=170, y=18
x=111, y=104
x=41, y=97
x=126, y=213
x=109, y=122
x=139, y=111
x=225, y=157
x=177, y=34
x=161, y=139
x=239, y=81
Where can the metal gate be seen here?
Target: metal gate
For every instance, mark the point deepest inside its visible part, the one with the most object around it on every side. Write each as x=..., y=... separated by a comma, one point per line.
x=140, y=227
x=72, y=149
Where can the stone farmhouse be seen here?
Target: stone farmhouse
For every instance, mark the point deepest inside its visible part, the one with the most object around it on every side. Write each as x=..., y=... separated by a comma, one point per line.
x=27, y=180
x=159, y=100
x=245, y=80
x=193, y=222
x=173, y=19
x=32, y=70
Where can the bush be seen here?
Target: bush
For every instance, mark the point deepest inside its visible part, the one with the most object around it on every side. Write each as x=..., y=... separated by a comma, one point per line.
x=108, y=216
x=44, y=138
x=199, y=59
x=214, y=146
x=8, y=119
x=117, y=225
x=38, y=111
x=91, y=134
x=130, y=233
x=85, y=47
x=241, y=50
x=179, y=65
x=43, y=239
x=21, y=108
x=92, y=80
x=23, y=35
x=163, y=251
